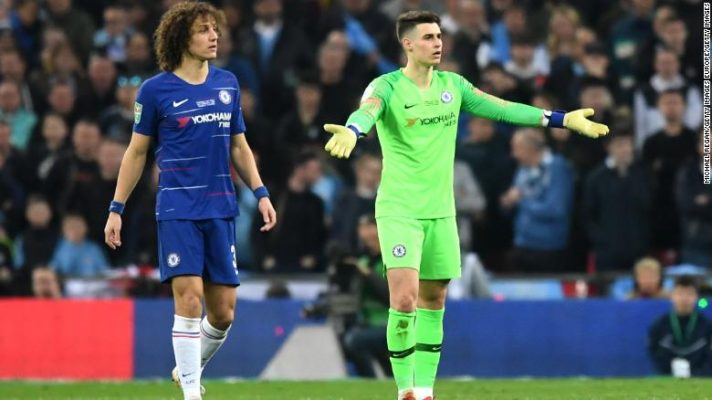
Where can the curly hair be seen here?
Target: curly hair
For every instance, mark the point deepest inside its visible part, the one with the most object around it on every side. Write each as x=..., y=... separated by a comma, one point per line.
x=175, y=30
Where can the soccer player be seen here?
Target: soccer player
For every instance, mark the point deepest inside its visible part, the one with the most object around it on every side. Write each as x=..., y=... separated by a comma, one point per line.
x=415, y=110
x=192, y=110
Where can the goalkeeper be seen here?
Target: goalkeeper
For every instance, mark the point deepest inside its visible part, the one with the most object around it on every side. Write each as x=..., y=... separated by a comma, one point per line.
x=415, y=110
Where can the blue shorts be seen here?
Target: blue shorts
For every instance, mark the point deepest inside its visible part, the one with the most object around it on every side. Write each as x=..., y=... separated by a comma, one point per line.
x=198, y=247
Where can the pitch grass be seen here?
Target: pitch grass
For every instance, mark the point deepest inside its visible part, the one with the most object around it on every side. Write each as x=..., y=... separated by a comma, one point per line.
x=521, y=389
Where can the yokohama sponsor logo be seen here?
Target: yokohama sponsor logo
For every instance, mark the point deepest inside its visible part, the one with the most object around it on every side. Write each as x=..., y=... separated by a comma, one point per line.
x=211, y=117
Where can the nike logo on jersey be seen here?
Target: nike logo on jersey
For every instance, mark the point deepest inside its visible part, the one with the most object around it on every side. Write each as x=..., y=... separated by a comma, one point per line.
x=407, y=106
x=178, y=103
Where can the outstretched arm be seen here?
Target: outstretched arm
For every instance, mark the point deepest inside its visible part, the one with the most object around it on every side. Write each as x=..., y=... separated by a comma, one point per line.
x=373, y=102
x=487, y=106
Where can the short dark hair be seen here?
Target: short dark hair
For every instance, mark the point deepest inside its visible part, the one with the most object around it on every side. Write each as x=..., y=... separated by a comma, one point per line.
x=523, y=40
x=673, y=91
x=686, y=281
x=410, y=19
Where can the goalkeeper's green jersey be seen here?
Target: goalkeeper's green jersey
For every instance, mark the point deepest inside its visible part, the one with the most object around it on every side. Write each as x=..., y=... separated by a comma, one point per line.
x=417, y=129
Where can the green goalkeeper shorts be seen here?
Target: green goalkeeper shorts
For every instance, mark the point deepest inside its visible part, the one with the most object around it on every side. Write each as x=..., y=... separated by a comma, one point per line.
x=430, y=246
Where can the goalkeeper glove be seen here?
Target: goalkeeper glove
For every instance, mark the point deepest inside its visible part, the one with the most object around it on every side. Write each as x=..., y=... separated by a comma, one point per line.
x=576, y=121
x=343, y=142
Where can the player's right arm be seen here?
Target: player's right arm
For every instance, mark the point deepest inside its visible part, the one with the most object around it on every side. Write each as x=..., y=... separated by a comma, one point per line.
x=373, y=103
x=130, y=172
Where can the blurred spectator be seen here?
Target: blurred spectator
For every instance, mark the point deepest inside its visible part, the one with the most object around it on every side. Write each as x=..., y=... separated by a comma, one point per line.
x=563, y=25
x=15, y=162
x=617, y=204
x=683, y=335
x=77, y=256
x=521, y=63
x=45, y=155
x=646, y=50
x=369, y=31
x=587, y=152
x=26, y=27
x=649, y=118
x=112, y=38
x=487, y=155
x=304, y=125
x=21, y=121
x=627, y=35
x=542, y=193
x=694, y=202
x=665, y=153
x=514, y=23
x=365, y=341
x=470, y=203
x=670, y=33
x=12, y=197
x=101, y=191
x=77, y=25
x=647, y=280
x=594, y=64
x=565, y=40
x=102, y=81
x=46, y=283
x=356, y=202
x=296, y=243
x=117, y=121
x=277, y=49
x=61, y=66
x=52, y=38
x=76, y=167
x=14, y=68
x=340, y=91
x=36, y=244
x=61, y=100
x=471, y=48
x=138, y=56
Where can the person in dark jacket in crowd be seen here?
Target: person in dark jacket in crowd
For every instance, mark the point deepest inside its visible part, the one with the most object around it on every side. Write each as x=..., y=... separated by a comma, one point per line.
x=617, y=205
x=694, y=203
x=665, y=153
x=297, y=242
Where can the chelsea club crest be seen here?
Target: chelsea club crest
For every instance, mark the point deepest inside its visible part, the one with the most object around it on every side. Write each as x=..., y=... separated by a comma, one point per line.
x=224, y=96
x=446, y=97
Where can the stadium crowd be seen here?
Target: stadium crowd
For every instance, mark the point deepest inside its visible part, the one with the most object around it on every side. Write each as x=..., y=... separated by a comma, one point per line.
x=529, y=200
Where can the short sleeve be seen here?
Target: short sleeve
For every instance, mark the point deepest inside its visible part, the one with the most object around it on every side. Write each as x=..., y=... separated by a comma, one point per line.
x=237, y=122
x=145, y=111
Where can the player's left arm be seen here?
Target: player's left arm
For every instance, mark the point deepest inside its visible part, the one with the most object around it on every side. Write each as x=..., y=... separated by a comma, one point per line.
x=484, y=105
x=244, y=162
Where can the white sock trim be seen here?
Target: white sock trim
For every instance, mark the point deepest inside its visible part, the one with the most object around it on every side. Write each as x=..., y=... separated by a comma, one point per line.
x=212, y=332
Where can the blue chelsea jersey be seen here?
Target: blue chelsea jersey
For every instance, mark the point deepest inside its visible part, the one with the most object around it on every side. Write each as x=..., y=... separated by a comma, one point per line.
x=192, y=126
